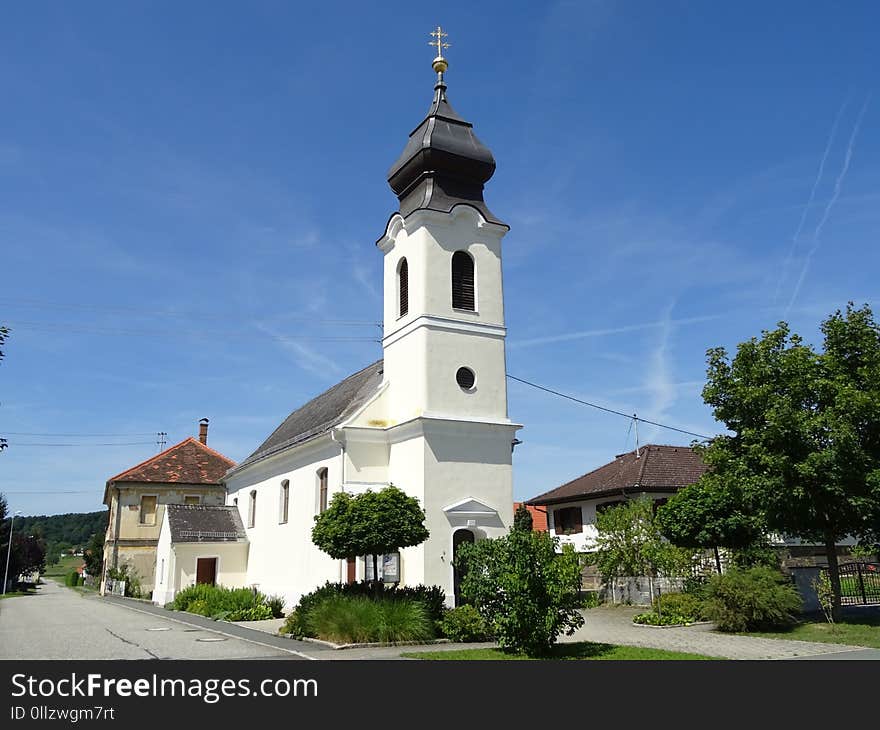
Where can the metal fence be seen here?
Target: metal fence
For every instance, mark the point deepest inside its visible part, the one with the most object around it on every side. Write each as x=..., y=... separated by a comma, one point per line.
x=860, y=584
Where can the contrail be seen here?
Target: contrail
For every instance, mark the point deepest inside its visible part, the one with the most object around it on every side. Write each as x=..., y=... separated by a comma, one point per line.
x=835, y=195
x=821, y=171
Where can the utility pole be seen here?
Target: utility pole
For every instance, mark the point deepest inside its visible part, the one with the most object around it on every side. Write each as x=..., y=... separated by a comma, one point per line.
x=9, y=550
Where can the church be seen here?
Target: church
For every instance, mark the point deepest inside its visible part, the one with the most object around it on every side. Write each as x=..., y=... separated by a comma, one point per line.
x=430, y=417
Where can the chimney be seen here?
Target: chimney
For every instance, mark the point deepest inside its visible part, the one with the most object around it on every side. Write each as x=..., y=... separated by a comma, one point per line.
x=203, y=431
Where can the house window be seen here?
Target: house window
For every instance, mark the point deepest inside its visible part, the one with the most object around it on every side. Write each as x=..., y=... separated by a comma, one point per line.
x=252, y=508
x=403, y=287
x=283, y=501
x=568, y=521
x=192, y=499
x=148, y=510
x=463, y=281
x=322, y=490
x=600, y=508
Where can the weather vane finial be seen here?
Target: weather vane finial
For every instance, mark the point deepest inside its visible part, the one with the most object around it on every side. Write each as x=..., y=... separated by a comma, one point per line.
x=440, y=65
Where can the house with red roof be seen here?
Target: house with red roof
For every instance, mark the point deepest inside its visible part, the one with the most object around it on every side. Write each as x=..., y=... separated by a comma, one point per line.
x=188, y=473
x=654, y=471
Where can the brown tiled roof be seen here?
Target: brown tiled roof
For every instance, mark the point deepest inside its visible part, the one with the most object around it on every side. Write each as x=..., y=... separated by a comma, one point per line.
x=655, y=468
x=539, y=517
x=189, y=462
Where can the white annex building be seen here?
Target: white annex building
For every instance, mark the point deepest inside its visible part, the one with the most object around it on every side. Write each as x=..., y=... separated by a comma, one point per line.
x=431, y=416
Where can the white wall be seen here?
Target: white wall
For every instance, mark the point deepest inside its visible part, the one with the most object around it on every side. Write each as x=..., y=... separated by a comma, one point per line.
x=283, y=560
x=585, y=541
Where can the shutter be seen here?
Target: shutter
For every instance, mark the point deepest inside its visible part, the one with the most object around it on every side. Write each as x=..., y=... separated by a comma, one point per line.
x=403, y=284
x=578, y=521
x=463, y=281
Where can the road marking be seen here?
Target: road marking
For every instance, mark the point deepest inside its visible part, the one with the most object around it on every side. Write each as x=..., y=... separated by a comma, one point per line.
x=216, y=631
x=161, y=628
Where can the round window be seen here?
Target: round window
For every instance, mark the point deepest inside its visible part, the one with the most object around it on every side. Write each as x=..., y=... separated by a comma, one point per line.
x=465, y=378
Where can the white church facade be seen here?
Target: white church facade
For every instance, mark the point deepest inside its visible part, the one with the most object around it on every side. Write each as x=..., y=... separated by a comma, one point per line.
x=431, y=416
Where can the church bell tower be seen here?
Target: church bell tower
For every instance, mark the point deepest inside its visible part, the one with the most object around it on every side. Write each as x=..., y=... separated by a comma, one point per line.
x=444, y=360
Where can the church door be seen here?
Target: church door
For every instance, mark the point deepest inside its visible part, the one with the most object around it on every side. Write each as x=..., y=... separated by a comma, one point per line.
x=206, y=570
x=458, y=538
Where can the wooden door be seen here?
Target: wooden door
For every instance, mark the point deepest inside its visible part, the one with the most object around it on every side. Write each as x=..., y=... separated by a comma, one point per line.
x=206, y=570
x=351, y=570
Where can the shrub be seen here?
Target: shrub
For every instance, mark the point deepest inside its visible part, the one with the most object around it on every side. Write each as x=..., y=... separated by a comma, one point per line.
x=357, y=619
x=132, y=580
x=276, y=604
x=71, y=579
x=590, y=599
x=684, y=605
x=464, y=624
x=523, y=589
x=219, y=602
x=754, y=599
x=652, y=618
x=432, y=597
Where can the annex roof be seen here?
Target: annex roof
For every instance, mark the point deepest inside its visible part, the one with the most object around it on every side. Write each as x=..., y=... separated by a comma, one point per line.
x=202, y=523
x=650, y=468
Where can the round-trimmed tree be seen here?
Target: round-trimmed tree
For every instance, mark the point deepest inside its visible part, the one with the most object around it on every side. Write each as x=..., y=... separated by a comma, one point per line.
x=371, y=523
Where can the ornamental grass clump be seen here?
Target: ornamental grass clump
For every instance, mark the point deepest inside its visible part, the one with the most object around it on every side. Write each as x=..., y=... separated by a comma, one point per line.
x=358, y=619
x=219, y=602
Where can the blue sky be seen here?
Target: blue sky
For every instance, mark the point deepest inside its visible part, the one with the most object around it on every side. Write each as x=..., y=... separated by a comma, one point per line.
x=186, y=189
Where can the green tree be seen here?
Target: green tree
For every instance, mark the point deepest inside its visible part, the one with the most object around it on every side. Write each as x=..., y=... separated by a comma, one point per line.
x=526, y=591
x=805, y=430
x=710, y=514
x=522, y=519
x=28, y=552
x=629, y=542
x=93, y=555
x=371, y=523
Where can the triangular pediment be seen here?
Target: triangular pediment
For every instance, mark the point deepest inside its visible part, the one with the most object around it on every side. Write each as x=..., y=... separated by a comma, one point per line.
x=469, y=506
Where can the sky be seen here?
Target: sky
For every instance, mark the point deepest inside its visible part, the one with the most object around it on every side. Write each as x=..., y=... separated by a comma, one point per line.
x=190, y=195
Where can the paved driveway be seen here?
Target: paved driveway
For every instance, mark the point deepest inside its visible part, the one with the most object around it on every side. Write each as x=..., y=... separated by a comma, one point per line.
x=614, y=626
x=60, y=623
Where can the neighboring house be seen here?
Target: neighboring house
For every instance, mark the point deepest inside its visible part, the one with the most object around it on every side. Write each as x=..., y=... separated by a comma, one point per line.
x=539, y=516
x=199, y=544
x=186, y=473
x=654, y=471
x=431, y=416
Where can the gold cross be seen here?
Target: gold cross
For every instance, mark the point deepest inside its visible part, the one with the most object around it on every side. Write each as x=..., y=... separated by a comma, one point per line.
x=439, y=35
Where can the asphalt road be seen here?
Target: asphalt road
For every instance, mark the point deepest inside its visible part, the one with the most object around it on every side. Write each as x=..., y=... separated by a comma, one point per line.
x=60, y=623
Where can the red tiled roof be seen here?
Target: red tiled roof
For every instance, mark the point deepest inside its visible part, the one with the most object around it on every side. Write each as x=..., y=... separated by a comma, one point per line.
x=189, y=462
x=655, y=468
x=539, y=517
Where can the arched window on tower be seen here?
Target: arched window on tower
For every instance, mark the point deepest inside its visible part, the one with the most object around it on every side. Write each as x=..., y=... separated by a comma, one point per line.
x=403, y=287
x=463, y=296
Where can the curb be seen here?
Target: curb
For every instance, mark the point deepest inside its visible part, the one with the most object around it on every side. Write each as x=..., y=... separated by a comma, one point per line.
x=368, y=645
x=672, y=626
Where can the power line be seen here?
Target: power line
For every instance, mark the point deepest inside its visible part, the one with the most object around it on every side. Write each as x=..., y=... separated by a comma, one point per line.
x=634, y=418
x=152, y=313
x=129, y=443
x=83, y=435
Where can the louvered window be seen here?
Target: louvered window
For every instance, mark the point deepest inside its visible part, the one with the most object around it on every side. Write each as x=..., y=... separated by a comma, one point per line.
x=403, y=286
x=463, y=281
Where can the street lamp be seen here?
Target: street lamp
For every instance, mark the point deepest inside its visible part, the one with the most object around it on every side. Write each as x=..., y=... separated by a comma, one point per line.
x=9, y=549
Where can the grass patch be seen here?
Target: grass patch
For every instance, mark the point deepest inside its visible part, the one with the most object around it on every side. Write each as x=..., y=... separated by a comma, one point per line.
x=16, y=594
x=582, y=650
x=855, y=630
x=59, y=571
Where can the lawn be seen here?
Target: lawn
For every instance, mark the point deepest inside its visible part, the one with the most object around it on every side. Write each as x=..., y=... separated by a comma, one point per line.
x=863, y=630
x=579, y=650
x=60, y=570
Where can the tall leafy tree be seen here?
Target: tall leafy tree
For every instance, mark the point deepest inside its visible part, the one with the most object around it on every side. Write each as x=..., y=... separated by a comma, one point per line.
x=805, y=430
x=711, y=514
x=371, y=523
x=522, y=519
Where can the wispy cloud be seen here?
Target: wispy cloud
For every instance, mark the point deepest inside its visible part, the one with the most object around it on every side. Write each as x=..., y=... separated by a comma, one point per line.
x=797, y=234
x=364, y=276
x=604, y=332
x=304, y=356
x=658, y=379
x=838, y=184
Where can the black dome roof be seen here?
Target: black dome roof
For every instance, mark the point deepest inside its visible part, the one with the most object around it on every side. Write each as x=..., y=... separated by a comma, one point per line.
x=443, y=163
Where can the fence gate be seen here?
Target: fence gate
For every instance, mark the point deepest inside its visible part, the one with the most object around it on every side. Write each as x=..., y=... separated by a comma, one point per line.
x=859, y=584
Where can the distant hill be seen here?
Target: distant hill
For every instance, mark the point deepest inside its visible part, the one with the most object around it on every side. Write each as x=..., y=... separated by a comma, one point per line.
x=74, y=528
